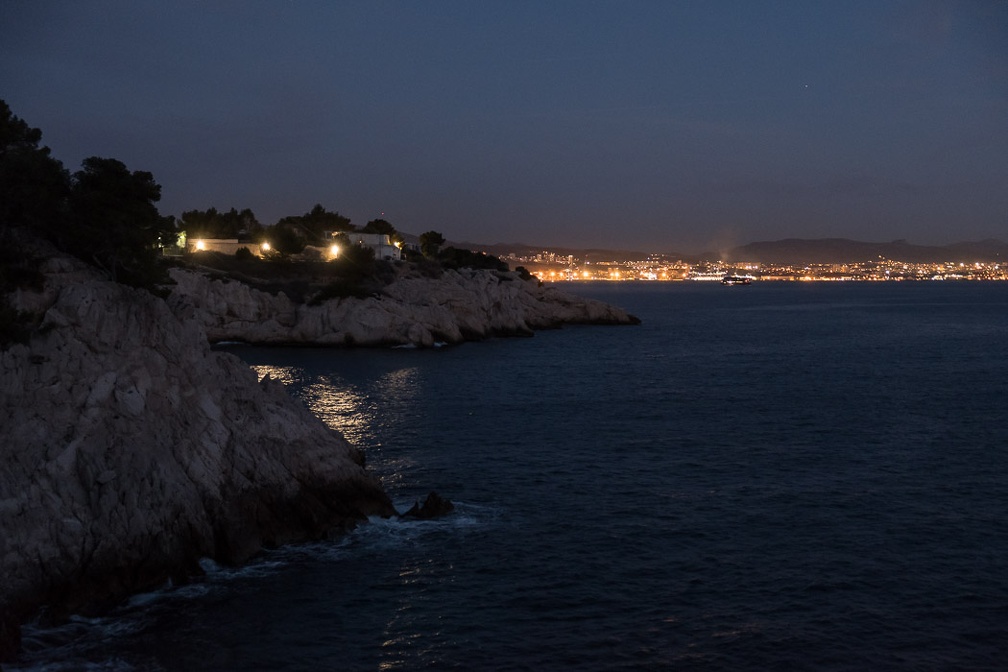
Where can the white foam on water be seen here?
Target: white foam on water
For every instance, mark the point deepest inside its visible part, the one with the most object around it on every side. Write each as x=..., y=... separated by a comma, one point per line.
x=393, y=533
x=67, y=646
x=75, y=665
x=334, y=549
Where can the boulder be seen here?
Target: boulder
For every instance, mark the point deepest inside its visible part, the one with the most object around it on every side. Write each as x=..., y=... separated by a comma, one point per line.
x=435, y=506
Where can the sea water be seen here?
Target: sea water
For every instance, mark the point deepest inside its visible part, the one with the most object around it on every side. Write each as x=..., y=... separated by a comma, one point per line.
x=800, y=476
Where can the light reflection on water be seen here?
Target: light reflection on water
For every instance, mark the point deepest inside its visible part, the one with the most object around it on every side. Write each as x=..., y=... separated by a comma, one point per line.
x=285, y=374
x=721, y=488
x=360, y=411
x=342, y=407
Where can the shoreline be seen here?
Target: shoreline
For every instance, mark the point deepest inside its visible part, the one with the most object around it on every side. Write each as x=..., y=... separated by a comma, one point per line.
x=134, y=447
x=459, y=306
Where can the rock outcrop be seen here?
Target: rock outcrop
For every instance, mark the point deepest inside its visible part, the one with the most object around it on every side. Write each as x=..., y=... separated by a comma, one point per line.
x=435, y=506
x=412, y=310
x=130, y=450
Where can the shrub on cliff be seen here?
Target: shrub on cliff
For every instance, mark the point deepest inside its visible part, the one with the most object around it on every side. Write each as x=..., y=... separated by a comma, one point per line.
x=340, y=288
x=285, y=238
x=18, y=270
x=454, y=258
x=355, y=261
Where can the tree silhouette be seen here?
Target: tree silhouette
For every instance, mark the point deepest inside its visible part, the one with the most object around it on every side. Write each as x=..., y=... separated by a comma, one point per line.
x=210, y=223
x=430, y=243
x=381, y=226
x=33, y=185
x=114, y=222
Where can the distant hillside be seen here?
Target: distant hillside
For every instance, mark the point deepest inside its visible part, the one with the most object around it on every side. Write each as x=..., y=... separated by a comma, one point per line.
x=840, y=250
x=591, y=254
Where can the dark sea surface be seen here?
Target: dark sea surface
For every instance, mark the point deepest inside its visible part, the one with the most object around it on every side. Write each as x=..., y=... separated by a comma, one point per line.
x=783, y=476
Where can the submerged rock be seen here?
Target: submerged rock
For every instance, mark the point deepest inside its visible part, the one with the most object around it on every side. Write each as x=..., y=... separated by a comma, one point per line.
x=413, y=310
x=435, y=506
x=130, y=450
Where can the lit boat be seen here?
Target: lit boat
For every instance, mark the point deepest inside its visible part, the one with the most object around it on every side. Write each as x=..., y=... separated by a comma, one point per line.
x=705, y=277
x=736, y=280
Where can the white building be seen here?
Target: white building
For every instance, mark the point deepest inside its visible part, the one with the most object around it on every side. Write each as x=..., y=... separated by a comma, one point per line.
x=223, y=245
x=382, y=245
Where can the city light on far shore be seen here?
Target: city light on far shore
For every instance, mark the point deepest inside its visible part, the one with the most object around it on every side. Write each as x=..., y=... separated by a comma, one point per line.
x=552, y=267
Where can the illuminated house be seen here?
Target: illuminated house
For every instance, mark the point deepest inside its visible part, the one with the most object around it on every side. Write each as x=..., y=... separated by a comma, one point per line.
x=223, y=245
x=382, y=245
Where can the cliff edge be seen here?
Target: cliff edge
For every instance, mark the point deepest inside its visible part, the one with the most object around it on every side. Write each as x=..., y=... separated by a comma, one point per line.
x=411, y=310
x=131, y=450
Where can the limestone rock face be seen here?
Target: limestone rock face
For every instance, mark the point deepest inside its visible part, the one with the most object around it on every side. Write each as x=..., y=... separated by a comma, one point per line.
x=129, y=450
x=458, y=306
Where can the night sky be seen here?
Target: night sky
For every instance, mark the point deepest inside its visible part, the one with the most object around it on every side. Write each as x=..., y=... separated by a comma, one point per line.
x=652, y=126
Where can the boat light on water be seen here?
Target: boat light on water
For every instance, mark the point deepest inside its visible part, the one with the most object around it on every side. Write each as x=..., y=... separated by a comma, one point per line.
x=737, y=280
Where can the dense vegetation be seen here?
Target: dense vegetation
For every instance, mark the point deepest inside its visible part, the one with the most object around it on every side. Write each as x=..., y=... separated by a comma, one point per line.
x=18, y=270
x=213, y=224
x=453, y=257
x=105, y=214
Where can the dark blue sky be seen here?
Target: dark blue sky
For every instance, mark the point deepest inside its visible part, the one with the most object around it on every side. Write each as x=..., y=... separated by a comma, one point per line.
x=655, y=126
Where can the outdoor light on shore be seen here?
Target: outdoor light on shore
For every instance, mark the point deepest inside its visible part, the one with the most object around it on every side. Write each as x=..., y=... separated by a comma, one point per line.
x=265, y=247
x=334, y=251
x=200, y=245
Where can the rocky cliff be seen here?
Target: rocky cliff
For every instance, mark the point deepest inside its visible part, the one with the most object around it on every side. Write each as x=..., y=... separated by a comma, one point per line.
x=457, y=306
x=130, y=450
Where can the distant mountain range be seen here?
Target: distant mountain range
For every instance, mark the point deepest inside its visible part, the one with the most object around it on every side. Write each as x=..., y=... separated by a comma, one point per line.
x=524, y=250
x=790, y=251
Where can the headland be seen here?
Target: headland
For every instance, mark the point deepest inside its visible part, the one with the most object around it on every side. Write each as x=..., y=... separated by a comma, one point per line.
x=132, y=449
